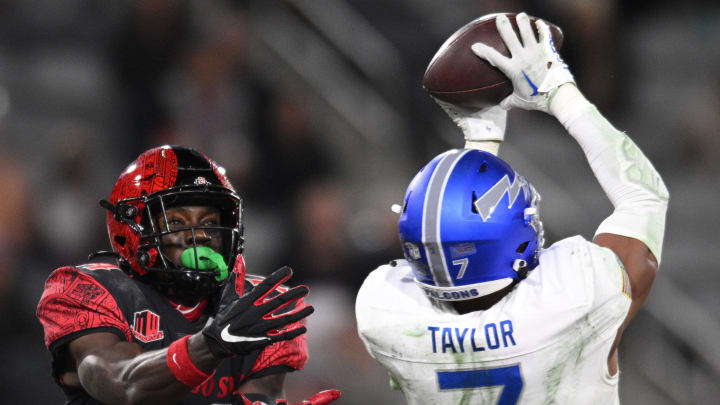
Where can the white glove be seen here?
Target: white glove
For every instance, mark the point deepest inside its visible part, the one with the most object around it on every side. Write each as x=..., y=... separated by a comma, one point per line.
x=483, y=129
x=535, y=68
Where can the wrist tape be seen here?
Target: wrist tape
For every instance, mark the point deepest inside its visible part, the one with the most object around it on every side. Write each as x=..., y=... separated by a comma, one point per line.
x=486, y=125
x=182, y=367
x=487, y=146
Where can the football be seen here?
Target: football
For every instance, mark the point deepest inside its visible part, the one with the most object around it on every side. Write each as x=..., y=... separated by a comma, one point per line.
x=456, y=75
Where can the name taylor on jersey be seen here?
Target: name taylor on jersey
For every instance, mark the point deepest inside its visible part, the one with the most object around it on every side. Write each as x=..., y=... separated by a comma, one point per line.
x=492, y=336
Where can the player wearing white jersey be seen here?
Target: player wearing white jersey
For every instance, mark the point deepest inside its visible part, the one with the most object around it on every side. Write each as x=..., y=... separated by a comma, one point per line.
x=479, y=313
x=547, y=340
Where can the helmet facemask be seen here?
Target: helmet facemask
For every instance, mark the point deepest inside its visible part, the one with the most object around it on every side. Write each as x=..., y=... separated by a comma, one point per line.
x=208, y=251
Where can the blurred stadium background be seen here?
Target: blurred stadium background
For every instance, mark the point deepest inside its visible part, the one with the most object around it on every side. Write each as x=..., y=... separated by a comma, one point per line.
x=315, y=108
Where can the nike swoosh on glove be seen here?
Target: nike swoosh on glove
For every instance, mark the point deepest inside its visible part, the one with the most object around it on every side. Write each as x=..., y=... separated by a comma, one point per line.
x=251, y=322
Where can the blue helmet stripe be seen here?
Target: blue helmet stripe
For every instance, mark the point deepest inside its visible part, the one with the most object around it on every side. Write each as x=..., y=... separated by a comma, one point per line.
x=431, y=218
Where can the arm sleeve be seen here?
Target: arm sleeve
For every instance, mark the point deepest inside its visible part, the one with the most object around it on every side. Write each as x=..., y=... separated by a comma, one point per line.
x=73, y=304
x=630, y=181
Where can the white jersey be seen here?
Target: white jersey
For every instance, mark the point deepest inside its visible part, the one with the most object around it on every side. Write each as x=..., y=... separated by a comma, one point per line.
x=546, y=342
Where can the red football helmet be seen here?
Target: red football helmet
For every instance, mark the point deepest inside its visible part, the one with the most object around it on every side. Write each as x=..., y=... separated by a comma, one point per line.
x=161, y=178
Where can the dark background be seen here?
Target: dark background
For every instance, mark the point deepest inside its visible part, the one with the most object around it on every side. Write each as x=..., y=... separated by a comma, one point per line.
x=316, y=110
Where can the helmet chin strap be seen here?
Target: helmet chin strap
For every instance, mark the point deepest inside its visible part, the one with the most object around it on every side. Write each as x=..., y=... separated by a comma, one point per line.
x=521, y=267
x=464, y=292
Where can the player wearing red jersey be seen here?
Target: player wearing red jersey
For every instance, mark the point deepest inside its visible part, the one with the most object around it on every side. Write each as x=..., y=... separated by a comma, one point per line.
x=175, y=320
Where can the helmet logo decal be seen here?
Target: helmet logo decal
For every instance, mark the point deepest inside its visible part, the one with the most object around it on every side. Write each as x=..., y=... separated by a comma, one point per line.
x=432, y=209
x=146, y=326
x=486, y=204
x=462, y=249
x=200, y=181
x=413, y=250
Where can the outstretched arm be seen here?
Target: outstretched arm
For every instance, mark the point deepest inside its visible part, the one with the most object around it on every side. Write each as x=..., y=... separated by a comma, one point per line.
x=630, y=181
x=542, y=81
x=635, y=229
x=118, y=372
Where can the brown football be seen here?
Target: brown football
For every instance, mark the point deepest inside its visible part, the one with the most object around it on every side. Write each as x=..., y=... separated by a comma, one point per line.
x=456, y=75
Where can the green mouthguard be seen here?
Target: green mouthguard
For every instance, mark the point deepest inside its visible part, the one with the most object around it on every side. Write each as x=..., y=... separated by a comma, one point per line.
x=207, y=259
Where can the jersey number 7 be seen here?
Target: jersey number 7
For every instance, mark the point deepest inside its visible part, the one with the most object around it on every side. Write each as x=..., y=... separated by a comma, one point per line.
x=507, y=377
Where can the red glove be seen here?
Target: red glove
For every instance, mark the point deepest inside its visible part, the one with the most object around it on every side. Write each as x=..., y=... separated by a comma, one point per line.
x=321, y=398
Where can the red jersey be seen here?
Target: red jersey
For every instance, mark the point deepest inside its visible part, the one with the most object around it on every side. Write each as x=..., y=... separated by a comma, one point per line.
x=99, y=297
